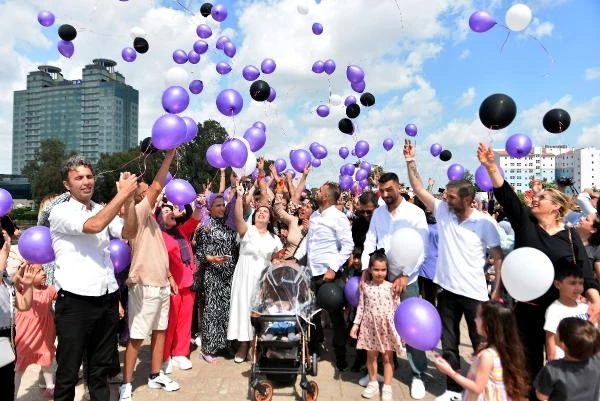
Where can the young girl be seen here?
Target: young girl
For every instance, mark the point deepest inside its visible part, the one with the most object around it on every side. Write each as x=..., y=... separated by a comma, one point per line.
x=35, y=333
x=498, y=370
x=375, y=318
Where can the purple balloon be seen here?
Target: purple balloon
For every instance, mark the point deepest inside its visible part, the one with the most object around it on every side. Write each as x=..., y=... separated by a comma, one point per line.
x=272, y=95
x=299, y=159
x=435, y=149
x=230, y=103
x=192, y=129
x=483, y=180
x=316, y=163
x=291, y=172
x=120, y=254
x=388, y=143
x=223, y=68
x=418, y=323
x=218, y=12
x=280, y=165
x=234, y=152
x=221, y=42
x=203, y=31
x=518, y=145
x=323, y=110
x=481, y=21
x=410, y=129
x=353, y=152
x=250, y=73
x=361, y=174
x=349, y=100
x=318, y=151
x=175, y=99
x=193, y=57
x=346, y=182
x=214, y=158
x=366, y=166
x=229, y=49
x=35, y=245
x=455, y=172
x=318, y=67
x=256, y=138
x=317, y=28
x=261, y=125
x=180, y=56
x=129, y=54
x=361, y=148
x=343, y=152
x=66, y=48
x=358, y=86
x=45, y=18
x=349, y=169
x=352, y=290
x=200, y=46
x=6, y=202
x=362, y=184
x=168, y=132
x=196, y=86
x=355, y=74
x=180, y=192
x=268, y=66
x=329, y=66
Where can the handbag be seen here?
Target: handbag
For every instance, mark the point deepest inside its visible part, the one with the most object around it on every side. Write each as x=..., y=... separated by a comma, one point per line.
x=7, y=354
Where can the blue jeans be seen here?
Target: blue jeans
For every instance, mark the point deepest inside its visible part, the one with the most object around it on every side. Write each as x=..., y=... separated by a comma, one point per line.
x=416, y=358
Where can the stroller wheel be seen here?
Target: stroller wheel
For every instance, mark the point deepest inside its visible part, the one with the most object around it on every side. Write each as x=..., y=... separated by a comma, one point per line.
x=267, y=391
x=311, y=393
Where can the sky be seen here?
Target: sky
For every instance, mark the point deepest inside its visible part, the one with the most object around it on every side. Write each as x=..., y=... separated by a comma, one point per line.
x=421, y=61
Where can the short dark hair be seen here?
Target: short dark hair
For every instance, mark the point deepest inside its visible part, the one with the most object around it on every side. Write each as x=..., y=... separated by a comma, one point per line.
x=72, y=163
x=580, y=337
x=368, y=197
x=385, y=177
x=334, y=191
x=464, y=188
x=564, y=268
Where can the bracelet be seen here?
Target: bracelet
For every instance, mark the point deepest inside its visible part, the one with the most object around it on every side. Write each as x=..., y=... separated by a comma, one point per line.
x=492, y=170
x=409, y=159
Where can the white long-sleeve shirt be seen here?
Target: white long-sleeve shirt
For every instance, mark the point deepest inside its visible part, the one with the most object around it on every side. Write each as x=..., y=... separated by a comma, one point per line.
x=328, y=243
x=382, y=227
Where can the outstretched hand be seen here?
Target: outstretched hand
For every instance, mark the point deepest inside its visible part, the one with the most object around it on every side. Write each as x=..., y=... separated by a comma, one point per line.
x=485, y=155
x=409, y=149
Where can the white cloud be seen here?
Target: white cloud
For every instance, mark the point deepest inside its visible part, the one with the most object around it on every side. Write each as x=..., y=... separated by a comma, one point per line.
x=592, y=73
x=464, y=54
x=466, y=99
x=539, y=29
x=589, y=136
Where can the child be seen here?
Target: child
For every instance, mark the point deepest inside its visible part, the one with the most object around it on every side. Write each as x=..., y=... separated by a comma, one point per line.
x=498, y=370
x=35, y=333
x=577, y=376
x=375, y=317
x=569, y=282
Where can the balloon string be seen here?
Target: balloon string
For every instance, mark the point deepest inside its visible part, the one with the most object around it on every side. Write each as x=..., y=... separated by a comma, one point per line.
x=120, y=167
x=233, y=119
x=545, y=50
x=401, y=15
x=505, y=39
x=184, y=7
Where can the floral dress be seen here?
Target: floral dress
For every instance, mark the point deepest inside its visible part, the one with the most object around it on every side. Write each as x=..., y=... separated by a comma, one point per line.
x=494, y=389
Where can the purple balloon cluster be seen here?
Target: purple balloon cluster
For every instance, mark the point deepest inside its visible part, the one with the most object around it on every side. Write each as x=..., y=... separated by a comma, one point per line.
x=327, y=66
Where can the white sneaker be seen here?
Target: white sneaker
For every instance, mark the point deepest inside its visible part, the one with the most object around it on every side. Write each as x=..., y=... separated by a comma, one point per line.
x=181, y=362
x=417, y=389
x=372, y=390
x=163, y=381
x=125, y=392
x=363, y=381
x=449, y=396
x=167, y=366
x=386, y=393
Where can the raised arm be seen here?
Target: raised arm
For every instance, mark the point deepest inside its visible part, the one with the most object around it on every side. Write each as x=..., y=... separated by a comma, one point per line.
x=222, y=181
x=240, y=223
x=487, y=158
x=297, y=192
x=413, y=176
x=158, y=182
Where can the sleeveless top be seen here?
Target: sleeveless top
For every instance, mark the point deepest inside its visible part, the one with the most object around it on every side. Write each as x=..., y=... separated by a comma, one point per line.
x=494, y=389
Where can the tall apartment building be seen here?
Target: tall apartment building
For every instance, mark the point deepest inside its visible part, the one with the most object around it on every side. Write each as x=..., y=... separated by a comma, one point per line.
x=93, y=115
x=582, y=166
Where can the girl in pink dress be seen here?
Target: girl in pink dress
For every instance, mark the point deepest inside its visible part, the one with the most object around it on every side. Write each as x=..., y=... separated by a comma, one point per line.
x=374, y=326
x=35, y=333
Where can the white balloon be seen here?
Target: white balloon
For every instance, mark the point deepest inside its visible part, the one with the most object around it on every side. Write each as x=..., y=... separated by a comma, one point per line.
x=527, y=273
x=176, y=76
x=518, y=17
x=137, y=32
x=302, y=7
x=406, y=247
x=249, y=166
x=335, y=100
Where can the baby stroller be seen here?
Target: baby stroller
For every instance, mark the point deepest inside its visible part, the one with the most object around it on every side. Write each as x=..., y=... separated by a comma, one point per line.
x=281, y=315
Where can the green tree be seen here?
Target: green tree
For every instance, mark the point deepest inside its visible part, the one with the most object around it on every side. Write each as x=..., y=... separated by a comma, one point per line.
x=44, y=171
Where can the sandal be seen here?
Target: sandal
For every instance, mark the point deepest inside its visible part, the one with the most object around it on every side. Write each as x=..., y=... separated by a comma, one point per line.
x=209, y=358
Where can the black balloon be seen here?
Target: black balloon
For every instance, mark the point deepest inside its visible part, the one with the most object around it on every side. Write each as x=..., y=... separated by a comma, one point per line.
x=67, y=32
x=445, y=155
x=497, y=111
x=345, y=125
x=260, y=90
x=140, y=45
x=330, y=297
x=353, y=110
x=205, y=9
x=367, y=99
x=146, y=146
x=556, y=121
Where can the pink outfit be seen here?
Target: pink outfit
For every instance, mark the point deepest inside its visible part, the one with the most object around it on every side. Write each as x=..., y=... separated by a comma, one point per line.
x=35, y=332
x=375, y=315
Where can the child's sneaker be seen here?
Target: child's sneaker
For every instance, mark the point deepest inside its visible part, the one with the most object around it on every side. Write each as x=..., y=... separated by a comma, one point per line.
x=163, y=381
x=125, y=392
x=386, y=393
x=372, y=390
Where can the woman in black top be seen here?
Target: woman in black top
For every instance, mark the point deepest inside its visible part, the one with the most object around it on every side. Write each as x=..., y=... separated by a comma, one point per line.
x=540, y=227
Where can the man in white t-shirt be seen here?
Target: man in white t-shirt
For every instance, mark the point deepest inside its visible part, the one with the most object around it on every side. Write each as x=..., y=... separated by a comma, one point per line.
x=464, y=235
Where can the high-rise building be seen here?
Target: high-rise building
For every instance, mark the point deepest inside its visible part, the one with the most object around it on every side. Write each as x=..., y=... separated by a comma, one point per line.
x=93, y=115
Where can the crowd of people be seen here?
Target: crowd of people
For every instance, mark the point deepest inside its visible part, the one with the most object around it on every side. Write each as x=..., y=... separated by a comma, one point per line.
x=194, y=272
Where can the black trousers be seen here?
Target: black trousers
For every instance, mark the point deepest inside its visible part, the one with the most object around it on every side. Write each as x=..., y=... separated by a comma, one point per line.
x=530, y=322
x=452, y=307
x=7, y=375
x=340, y=334
x=90, y=324
x=428, y=290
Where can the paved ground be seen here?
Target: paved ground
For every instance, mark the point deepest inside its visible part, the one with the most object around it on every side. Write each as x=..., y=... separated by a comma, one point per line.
x=227, y=380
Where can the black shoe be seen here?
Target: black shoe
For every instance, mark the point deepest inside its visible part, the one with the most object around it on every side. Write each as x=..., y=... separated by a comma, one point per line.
x=341, y=365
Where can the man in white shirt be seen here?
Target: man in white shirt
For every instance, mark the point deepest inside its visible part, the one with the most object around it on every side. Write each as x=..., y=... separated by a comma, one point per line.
x=87, y=306
x=464, y=235
x=396, y=214
x=328, y=245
